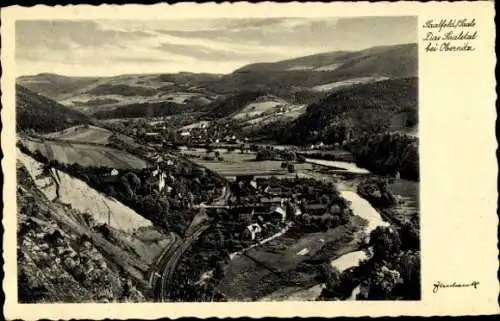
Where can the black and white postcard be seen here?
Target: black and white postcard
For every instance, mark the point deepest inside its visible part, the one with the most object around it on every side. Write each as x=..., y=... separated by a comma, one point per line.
x=268, y=159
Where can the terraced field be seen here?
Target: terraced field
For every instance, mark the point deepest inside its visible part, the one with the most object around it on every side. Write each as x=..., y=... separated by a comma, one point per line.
x=84, y=154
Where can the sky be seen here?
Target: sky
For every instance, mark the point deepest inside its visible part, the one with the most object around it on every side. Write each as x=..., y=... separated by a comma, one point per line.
x=218, y=45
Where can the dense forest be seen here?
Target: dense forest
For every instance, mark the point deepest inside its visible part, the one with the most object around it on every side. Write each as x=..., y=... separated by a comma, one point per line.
x=387, y=154
x=377, y=192
x=41, y=114
x=156, y=109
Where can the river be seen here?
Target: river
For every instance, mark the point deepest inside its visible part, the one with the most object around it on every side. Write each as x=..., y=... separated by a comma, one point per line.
x=364, y=209
x=344, y=166
x=361, y=208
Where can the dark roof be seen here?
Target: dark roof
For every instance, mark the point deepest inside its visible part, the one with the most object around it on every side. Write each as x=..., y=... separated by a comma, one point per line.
x=271, y=200
x=316, y=206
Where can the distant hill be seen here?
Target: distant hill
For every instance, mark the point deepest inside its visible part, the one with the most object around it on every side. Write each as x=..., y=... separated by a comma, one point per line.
x=396, y=61
x=299, y=81
x=55, y=86
x=83, y=134
x=366, y=108
x=41, y=114
x=106, y=96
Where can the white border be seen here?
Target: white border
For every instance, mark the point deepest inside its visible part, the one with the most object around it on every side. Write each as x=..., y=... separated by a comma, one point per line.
x=458, y=165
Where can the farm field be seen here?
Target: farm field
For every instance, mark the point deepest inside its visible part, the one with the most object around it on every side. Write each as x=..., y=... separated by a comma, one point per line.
x=347, y=83
x=256, y=108
x=284, y=264
x=84, y=134
x=84, y=155
x=236, y=163
x=290, y=113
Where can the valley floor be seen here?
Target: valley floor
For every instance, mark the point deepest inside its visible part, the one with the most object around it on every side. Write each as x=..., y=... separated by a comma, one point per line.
x=105, y=251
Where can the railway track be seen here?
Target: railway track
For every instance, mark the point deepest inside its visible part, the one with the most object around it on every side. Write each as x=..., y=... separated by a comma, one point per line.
x=162, y=273
x=168, y=270
x=163, y=270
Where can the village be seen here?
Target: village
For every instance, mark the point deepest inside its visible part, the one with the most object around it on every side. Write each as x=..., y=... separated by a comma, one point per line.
x=264, y=206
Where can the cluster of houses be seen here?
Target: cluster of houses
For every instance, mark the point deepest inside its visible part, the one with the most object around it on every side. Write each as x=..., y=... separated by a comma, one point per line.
x=271, y=207
x=197, y=138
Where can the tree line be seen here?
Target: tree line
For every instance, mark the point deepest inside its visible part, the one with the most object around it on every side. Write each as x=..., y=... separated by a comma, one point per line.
x=387, y=154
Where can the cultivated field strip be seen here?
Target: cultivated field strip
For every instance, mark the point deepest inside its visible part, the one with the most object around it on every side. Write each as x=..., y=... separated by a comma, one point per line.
x=85, y=154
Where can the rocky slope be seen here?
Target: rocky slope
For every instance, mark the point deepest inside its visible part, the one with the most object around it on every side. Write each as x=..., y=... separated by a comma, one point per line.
x=77, y=245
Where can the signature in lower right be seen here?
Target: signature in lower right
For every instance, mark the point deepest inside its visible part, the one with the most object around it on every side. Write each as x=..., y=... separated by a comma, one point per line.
x=439, y=285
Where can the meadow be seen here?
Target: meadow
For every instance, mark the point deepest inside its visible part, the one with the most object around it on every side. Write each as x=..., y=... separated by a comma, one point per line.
x=237, y=163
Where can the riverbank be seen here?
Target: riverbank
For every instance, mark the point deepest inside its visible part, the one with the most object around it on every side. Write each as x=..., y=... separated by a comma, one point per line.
x=290, y=263
x=393, y=253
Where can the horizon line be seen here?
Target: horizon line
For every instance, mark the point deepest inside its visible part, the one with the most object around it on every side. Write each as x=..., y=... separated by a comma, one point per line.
x=215, y=74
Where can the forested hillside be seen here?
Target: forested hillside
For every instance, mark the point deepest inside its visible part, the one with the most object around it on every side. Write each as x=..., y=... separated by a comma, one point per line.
x=39, y=113
x=395, y=61
x=227, y=106
x=349, y=113
x=144, y=110
x=55, y=86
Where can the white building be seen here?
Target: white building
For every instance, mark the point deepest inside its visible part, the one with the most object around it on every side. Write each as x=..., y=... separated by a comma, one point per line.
x=280, y=211
x=161, y=181
x=254, y=230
